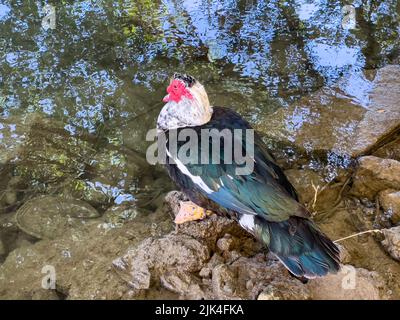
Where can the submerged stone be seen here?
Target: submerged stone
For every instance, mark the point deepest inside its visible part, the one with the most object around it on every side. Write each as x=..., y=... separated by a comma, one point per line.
x=349, y=120
x=117, y=215
x=51, y=216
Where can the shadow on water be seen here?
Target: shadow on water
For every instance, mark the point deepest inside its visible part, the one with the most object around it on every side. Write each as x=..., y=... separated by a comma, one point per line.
x=76, y=101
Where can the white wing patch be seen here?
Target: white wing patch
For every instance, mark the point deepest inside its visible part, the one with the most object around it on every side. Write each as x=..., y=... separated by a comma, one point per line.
x=196, y=179
x=247, y=222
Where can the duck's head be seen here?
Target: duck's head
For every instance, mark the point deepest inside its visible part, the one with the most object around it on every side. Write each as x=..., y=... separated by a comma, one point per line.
x=187, y=104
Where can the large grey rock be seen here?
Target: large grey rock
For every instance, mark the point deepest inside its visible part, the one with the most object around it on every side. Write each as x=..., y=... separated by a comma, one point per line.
x=349, y=119
x=375, y=174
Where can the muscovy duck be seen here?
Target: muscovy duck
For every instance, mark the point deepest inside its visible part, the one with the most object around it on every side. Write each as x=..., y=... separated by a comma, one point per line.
x=263, y=201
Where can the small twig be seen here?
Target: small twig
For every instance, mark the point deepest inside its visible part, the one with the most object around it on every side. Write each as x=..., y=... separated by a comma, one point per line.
x=316, y=191
x=358, y=234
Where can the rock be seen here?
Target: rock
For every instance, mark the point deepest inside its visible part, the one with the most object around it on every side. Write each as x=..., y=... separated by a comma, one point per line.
x=224, y=280
x=60, y=159
x=247, y=277
x=313, y=124
x=92, y=191
x=269, y=293
x=114, y=168
x=362, y=214
x=208, y=230
x=214, y=227
x=340, y=119
x=10, y=197
x=55, y=153
x=303, y=181
x=50, y=216
x=294, y=292
x=349, y=284
x=154, y=257
x=11, y=236
x=171, y=202
x=374, y=175
x=390, y=202
x=183, y=284
x=145, y=259
x=391, y=243
x=205, y=272
x=215, y=260
x=117, y=215
x=390, y=150
x=226, y=242
x=83, y=267
x=181, y=262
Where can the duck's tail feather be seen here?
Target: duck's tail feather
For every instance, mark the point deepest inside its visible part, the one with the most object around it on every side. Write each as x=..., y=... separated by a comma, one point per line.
x=300, y=246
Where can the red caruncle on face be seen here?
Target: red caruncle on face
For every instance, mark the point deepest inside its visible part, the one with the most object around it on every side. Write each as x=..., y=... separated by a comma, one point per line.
x=176, y=90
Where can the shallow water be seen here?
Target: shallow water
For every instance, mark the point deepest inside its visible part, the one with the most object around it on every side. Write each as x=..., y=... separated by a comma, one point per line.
x=76, y=101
